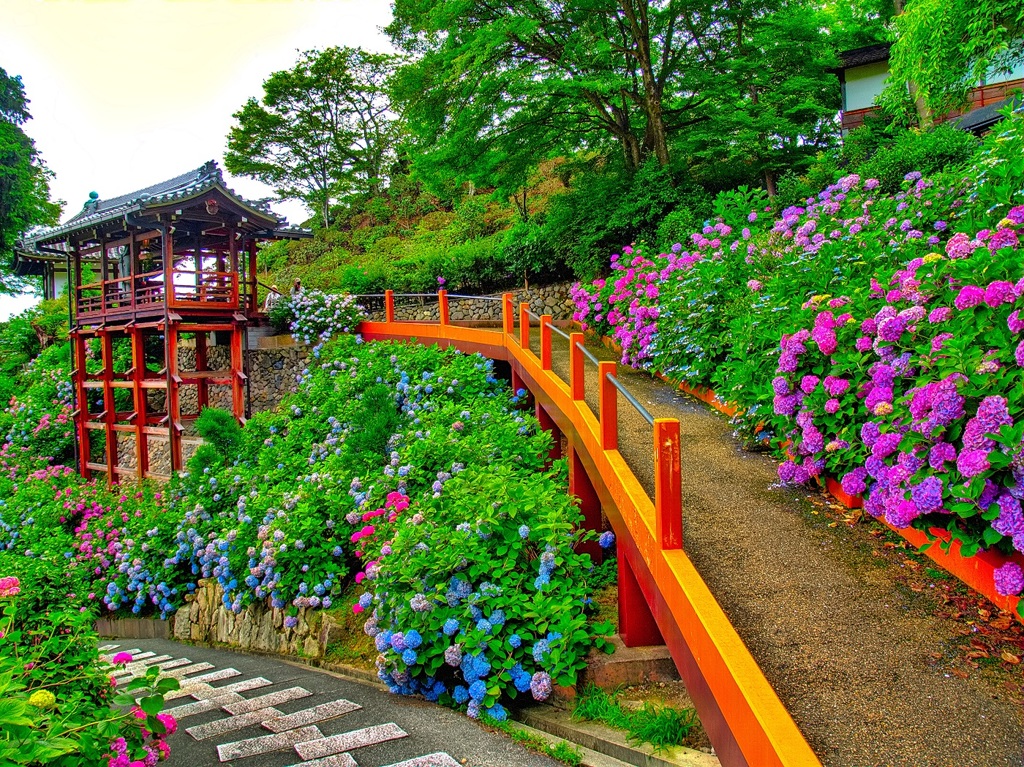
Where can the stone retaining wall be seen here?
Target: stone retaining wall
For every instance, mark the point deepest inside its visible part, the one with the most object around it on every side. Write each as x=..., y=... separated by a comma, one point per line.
x=555, y=300
x=204, y=618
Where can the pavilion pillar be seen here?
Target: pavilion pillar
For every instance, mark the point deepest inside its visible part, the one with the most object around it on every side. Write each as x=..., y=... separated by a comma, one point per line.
x=254, y=304
x=173, y=395
x=237, y=373
x=82, y=410
x=202, y=385
x=140, y=404
x=109, y=406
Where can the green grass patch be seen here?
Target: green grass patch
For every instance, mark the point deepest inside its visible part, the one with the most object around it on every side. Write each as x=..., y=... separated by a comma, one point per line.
x=563, y=752
x=661, y=726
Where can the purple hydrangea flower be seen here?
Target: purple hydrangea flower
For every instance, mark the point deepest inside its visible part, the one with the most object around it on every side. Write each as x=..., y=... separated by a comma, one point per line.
x=1009, y=579
x=832, y=406
x=835, y=387
x=808, y=384
x=902, y=514
x=854, y=482
x=869, y=433
x=781, y=386
x=1014, y=322
x=928, y=494
x=1000, y=292
x=886, y=445
x=540, y=685
x=939, y=314
x=971, y=463
x=1010, y=521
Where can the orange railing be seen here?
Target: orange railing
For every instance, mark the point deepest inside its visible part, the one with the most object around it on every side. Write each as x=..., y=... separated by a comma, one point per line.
x=661, y=594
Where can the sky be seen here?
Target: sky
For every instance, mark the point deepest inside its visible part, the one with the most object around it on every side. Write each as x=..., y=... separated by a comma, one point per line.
x=127, y=93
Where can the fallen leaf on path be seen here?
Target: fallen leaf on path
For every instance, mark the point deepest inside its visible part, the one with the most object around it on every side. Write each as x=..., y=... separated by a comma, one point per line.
x=1009, y=657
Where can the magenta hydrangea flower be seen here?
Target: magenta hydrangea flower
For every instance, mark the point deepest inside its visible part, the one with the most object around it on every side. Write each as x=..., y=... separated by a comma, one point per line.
x=781, y=386
x=947, y=403
x=940, y=454
x=808, y=384
x=969, y=297
x=834, y=386
x=1000, y=292
x=902, y=514
x=754, y=285
x=971, y=463
x=863, y=344
x=1009, y=579
x=1018, y=354
x=960, y=246
x=886, y=445
x=939, y=314
x=1014, y=322
x=832, y=406
x=121, y=659
x=1002, y=238
x=1010, y=521
x=939, y=341
x=891, y=329
x=786, y=471
x=854, y=481
x=786, y=405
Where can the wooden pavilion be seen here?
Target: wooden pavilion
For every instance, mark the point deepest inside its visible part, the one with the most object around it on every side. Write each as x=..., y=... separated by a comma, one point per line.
x=168, y=266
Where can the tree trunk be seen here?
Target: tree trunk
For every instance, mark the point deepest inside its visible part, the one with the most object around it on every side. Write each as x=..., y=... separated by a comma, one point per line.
x=770, y=185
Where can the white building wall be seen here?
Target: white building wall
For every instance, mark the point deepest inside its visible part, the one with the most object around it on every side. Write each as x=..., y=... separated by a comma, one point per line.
x=863, y=84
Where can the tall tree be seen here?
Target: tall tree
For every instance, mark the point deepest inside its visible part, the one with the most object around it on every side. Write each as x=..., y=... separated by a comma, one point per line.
x=24, y=179
x=323, y=129
x=945, y=47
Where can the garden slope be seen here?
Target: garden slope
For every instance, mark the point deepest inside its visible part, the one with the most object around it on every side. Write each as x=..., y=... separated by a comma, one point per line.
x=847, y=653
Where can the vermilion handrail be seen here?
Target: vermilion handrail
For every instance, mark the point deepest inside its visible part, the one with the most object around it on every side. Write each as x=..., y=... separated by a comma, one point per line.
x=743, y=716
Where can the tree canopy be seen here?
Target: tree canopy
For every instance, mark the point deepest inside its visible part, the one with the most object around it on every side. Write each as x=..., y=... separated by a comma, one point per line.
x=322, y=130
x=24, y=179
x=495, y=87
x=945, y=47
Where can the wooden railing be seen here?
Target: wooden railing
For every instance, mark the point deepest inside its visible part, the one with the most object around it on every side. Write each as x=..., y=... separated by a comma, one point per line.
x=662, y=597
x=190, y=289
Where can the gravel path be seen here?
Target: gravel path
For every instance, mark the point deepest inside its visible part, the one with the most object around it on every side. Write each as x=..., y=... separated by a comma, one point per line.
x=847, y=651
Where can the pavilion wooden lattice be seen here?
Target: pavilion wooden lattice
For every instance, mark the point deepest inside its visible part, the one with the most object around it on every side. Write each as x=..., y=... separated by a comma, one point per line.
x=177, y=268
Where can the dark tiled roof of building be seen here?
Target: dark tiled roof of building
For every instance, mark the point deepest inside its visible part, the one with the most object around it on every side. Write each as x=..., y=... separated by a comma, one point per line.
x=869, y=54
x=195, y=182
x=984, y=117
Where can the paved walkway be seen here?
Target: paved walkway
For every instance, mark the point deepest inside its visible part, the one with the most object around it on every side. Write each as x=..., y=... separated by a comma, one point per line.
x=863, y=667
x=251, y=711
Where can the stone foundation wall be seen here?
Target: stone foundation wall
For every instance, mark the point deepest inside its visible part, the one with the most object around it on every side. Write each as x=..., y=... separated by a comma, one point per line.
x=204, y=618
x=555, y=300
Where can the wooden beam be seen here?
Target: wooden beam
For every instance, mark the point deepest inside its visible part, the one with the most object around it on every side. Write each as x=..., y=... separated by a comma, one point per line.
x=82, y=416
x=173, y=402
x=237, y=373
x=139, y=400
x=109, y=407
x=202, y=384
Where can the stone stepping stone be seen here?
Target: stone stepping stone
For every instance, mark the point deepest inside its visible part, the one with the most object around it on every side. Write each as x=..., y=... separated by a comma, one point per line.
x=349, y=741
x=204, y=705
x=439, y=759
x=320, y=713
x=232, y=723
x=337, y=760
x=267, y=743
x=270, y=699
x=201, y=691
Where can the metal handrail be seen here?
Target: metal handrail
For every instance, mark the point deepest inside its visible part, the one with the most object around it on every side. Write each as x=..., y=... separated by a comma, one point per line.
x=587, y=353
x=531, y=314
x=630, y=398
x=562, y=333
x=475, y=298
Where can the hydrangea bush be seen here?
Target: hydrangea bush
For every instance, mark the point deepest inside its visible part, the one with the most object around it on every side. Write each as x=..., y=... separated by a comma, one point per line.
x=314, y=315
x=382, y=448
x=868, y=336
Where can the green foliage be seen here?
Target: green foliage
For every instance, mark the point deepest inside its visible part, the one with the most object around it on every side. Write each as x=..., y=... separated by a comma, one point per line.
x=661, y=726
x=375, y=423
x=944, y=47
x=321, y=131
x=563, y=751
x=220, y=430
x=56, y=702
x=24, y=180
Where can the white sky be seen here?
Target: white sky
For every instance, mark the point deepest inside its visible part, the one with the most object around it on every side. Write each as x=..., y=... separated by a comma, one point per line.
x=127, y=93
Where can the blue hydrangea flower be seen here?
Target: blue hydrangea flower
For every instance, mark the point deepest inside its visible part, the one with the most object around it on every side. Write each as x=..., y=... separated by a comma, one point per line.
x=607, y=539
x=413, y=639
x=460, y=694
x=497, y=712
x=515, y=641
x=478, y=690
x=409, y=657
x=451, y=626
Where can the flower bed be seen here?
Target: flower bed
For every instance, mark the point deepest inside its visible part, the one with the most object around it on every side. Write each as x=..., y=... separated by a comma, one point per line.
x=409, y=470
x=871, y=337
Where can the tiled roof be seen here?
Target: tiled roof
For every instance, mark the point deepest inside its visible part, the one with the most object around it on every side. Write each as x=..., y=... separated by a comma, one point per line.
x=984, y=117
x=194, y=182
x=869, y=54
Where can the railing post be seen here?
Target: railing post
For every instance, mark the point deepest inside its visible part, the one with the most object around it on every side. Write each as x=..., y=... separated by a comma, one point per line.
x=545, y=342
x=389, y=306
x=507, y=319
x=442, y=306
x=668, y=502
x=576, y=379
x=607, y=406
x=524, y=325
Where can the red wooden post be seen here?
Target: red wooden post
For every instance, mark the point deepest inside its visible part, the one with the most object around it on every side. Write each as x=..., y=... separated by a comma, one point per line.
x=109, y=406
x=237, y=374
x=173, y=402
x=507, y=320
x=668, y=502
x=590, y=504
x=203, y=385
x=389, y=306
x=524, y=325
x=253, y=286
x=637, y=626
x=139, y=397
x=547, y=423
x=577, y=381
x=608, y=406
x=82, y=417
x=545, y=342
x=442, y=306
